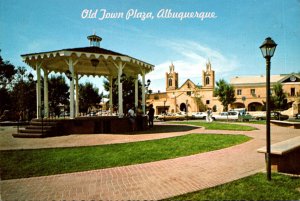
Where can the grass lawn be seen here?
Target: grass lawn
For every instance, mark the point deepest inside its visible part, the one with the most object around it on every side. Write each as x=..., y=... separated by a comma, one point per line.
x=38, y=162
x=255, y=187
x=218, y=125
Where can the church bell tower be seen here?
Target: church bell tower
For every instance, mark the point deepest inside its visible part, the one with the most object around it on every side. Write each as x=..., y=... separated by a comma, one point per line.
x=171, y=79
x=208, y=77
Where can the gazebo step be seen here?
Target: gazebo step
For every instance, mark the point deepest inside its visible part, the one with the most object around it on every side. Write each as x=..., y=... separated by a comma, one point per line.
x=38, y=127
x=44, y=123
x=34, y=130
x=28, y=135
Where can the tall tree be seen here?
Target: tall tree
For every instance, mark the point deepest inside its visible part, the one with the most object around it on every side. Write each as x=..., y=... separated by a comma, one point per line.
x=7, y=72
x=58, y=92
x=128, y=90
x=278, y=99
x=23, y=96
x=225, y=93
x=197, y=98
x=88, y=96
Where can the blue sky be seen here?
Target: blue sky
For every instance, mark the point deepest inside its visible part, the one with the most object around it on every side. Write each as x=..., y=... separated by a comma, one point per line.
x=230, y=41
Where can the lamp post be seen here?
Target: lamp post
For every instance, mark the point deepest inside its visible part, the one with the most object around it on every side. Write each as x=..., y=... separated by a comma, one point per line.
x=267, y=49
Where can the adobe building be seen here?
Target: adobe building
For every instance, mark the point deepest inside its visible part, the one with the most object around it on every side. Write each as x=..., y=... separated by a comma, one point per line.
x=187, y=98
x=250, y=92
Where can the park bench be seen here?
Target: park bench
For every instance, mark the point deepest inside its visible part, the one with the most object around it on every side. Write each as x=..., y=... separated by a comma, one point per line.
x=285, y=156
x=290, y=124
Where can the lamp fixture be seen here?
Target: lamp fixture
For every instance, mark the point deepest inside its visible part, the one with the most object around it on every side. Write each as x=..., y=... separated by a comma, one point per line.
x=30, y=77
x=268, y=48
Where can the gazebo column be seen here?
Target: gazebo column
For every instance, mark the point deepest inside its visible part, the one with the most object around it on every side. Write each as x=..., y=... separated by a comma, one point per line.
x=77, y=95
x=120, y=67
x=143, y=93
x=110, y=95
x=38, y=92
x=71, y=65
x=136, y=92
x=46, y=100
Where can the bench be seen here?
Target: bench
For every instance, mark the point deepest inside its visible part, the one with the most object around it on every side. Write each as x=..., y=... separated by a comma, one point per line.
x=295, y=125
x=285, y=156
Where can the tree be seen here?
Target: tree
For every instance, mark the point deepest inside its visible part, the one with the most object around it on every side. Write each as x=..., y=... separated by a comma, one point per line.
x=22, y=95
x=225, y=92
x=128, y=90
x=88, y=96
x=58, y=92
x=7, y=72
x=197, y=98
x=278, y=100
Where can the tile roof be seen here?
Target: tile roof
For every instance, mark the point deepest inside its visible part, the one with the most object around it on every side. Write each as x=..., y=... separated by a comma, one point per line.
x=255, y=79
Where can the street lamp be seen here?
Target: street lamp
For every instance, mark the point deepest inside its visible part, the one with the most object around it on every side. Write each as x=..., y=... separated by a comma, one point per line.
x=267, y=49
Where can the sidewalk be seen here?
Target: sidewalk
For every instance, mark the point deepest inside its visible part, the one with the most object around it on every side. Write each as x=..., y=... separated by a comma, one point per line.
x=151, y=181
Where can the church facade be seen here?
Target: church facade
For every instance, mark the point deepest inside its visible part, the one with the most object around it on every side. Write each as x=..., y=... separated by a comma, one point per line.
x=250, y=92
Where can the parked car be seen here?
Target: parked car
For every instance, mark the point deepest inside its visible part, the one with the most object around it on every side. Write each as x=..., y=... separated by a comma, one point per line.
x=199, y=115
x=274, y=116
x=245, y=117
x=173, y=116
x=231, y=115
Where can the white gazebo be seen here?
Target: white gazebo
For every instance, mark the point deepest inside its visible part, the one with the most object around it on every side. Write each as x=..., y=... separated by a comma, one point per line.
x=92, y=60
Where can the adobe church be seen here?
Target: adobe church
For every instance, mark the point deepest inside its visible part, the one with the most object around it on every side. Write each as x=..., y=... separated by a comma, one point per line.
x=187, y=98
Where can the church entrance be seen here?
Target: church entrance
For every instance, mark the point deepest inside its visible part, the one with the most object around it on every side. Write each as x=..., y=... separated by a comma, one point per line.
x=183, y=107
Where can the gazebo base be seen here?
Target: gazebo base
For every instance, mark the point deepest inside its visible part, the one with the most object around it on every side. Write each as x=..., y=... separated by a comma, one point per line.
x=81, y=125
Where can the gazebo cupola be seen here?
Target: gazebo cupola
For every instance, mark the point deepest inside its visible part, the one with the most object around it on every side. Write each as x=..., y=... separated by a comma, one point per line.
x=94, y=40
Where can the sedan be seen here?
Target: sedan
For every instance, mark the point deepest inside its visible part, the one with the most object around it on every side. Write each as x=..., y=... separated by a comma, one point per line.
x=274, y=116
x=173, y=116
x=199, y=115
x=232, y=115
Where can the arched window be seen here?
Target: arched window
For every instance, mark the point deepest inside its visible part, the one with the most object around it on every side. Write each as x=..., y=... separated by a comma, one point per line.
x=170, y=82
x=207, y=80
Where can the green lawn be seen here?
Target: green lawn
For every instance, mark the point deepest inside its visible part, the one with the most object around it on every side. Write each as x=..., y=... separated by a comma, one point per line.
x=218, y=125
x=38, y=162
x=255, y=187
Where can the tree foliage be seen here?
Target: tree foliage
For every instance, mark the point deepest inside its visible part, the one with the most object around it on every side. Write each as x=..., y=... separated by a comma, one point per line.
x=278, y=100
x=225, y=93
x=7, y=72
x=88, y=96
x=58, y=93
x=128, y=87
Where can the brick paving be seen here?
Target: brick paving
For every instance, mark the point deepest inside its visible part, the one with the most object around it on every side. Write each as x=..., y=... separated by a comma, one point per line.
x=155, y=180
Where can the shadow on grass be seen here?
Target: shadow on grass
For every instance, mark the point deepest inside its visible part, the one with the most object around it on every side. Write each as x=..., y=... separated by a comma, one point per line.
x=164, y=129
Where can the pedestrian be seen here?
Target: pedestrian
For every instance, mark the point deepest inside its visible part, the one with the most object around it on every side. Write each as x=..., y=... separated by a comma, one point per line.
x=208, y=117
x=151, y=115
x=131, y=116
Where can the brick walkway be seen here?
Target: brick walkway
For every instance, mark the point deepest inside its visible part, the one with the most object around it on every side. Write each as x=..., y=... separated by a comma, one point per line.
x=151, y=181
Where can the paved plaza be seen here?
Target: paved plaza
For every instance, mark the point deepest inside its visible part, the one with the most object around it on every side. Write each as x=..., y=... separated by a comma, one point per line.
x=148, y=181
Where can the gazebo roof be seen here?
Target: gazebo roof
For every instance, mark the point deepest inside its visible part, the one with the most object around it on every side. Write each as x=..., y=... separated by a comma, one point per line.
x=56, y=61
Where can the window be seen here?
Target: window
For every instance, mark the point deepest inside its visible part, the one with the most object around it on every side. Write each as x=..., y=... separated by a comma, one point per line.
x=252, y=91
x=207, y=102
x=189, y=93
x=292, y=91
x=170, y=82
x=239, y=92
x=207, y=80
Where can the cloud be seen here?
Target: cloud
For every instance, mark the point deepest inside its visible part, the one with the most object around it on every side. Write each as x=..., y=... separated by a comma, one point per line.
x=191, y=58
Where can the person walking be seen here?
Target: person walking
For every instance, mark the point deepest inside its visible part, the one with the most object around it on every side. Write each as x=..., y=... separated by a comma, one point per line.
x=151, y=115
x=131, y=116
